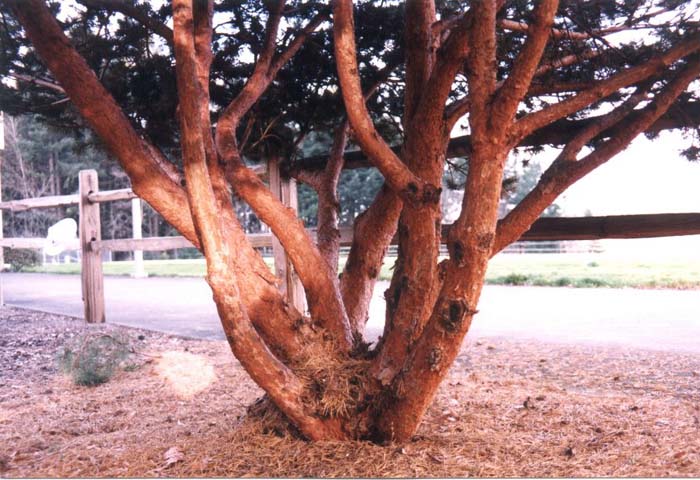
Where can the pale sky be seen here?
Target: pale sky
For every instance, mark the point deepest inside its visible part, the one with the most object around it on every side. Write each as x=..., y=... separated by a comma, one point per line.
x=649, y=177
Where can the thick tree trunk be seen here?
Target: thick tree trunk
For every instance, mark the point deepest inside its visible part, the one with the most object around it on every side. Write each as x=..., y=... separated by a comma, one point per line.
x=470, y=249
x=410, y=296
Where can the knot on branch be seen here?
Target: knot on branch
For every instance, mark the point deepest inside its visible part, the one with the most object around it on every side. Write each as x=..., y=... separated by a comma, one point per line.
x=431, y=194
x=453, y=315
x=425, y=194
x=373, y=272
x=411, y=192
x=456, y=250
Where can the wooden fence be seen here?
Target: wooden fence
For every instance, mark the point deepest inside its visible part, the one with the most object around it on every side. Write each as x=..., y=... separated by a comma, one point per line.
x=91, y=245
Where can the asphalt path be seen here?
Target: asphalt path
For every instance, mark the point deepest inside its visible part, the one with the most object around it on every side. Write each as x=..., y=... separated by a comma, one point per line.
x=651, y=319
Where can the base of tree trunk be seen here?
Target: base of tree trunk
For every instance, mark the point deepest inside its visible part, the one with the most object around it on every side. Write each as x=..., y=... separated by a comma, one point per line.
x=342, y=394
x=265, y=417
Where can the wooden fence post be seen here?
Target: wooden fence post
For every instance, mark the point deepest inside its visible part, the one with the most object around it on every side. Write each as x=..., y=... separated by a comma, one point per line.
x=285, y=189
x=91, y=261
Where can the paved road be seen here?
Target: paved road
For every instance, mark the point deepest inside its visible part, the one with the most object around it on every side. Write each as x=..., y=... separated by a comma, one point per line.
x=181, y=306
x=654, y=319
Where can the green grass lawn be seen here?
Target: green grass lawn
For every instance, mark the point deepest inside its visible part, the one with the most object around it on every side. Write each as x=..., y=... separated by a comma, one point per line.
x=564, y=270
x=156, y=268
x=590, y=270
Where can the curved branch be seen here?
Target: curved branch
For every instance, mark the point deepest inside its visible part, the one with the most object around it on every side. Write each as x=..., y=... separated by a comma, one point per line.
x=396, y=174
x=373, y=231
x=199, y=189
x=319, y=280
x=282, y=58
x=273, y=376
x=524, y=69
x=327, y=233
x=266, y=68
x=271, y=29
x=277, y=322
x=450, y=60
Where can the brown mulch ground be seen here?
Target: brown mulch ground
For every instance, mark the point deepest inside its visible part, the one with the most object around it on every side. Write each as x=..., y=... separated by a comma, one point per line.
x=507, y=409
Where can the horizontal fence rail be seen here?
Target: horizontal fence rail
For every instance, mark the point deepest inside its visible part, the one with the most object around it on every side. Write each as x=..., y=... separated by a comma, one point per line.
x=35, y=243
x=154, y=244
x=67, y=200
x=614, y=226
x=543, y=230
x=40, y=202
x=111, y=195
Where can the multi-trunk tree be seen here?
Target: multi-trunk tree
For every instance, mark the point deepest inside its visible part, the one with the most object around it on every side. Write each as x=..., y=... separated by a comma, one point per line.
x=586, y=76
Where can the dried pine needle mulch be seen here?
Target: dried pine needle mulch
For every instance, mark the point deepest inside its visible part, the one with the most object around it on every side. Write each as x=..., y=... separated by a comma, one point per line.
x=507, y=409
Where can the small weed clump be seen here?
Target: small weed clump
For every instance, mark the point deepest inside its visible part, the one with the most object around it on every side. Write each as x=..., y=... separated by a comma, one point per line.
x=588, y=282
x=92, y=359
x=22, y=260
x=516, y=279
